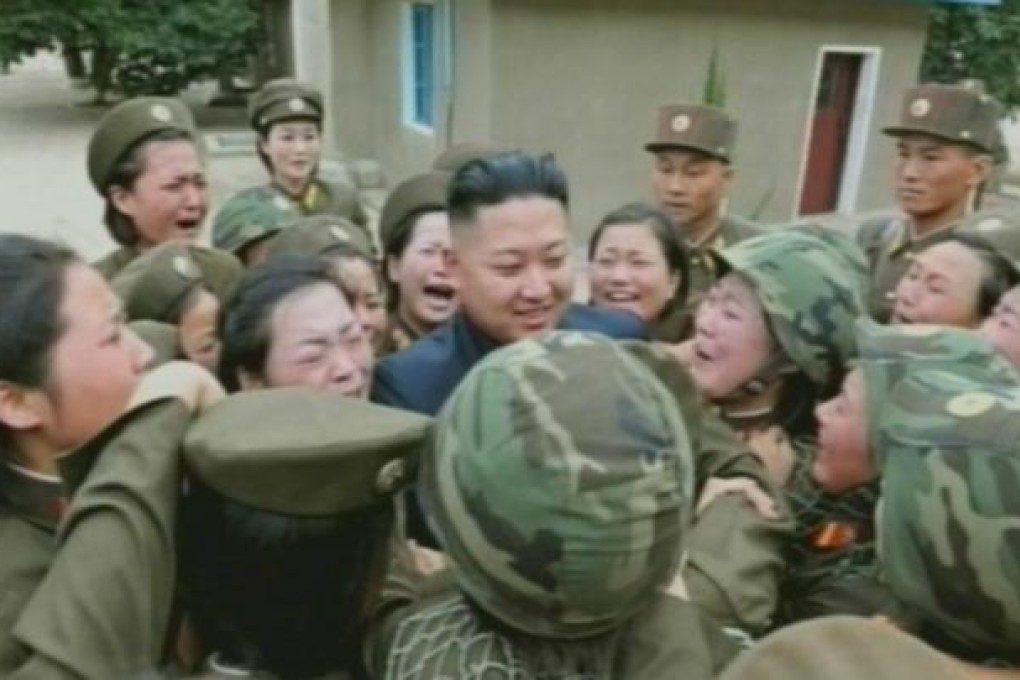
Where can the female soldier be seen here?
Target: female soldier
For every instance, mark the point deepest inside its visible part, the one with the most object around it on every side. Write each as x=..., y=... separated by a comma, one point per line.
x=1002, y=327
x=291, y=323
x=338, y=241
x=415, y=235
x=771, y=342
x=959, y=281
x=167, y=284
x=144, y=161
x=287, y=116
x=90, y=446
x=636, y=264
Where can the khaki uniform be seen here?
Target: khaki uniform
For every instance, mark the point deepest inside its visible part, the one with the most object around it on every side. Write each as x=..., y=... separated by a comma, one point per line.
x=949, y=113
x=890, y=247
x=711, y=132
x=88, y=585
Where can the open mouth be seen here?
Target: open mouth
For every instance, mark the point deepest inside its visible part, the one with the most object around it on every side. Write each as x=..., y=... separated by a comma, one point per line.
x=189, y=228
x=621, y=297
x=439, y=291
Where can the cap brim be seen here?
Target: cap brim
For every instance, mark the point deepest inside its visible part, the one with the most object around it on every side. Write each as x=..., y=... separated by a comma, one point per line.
x=903, y=131
x=656, y=147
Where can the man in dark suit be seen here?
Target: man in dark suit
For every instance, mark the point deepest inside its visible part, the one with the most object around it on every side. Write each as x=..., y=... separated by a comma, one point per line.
x=511, y=259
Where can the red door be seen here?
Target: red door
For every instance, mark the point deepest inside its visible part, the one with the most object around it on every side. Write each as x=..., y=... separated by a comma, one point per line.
x=830, y=129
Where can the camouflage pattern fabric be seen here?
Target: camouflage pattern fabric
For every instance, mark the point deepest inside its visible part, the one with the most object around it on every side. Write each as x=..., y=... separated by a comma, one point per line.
x=810, y=295
x=250, y=217
x=889, y=353
x=560, y=482
x=949, y=519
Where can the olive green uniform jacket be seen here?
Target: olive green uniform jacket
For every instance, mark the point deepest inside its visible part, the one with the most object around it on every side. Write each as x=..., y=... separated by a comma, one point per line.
x=91, y=596
x=677, y=324
x=888, y=247
x=671, y=638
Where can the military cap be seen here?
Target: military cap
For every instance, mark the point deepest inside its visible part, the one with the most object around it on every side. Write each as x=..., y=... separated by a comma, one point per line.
x=457, y=156
x=245, y=220
x=221, y=271
x=949, y=518
x=284, y=99
x=841, y=648
x=810, y=295
x=888, y=354
x=126, y=124
x=691, y=126
x=560, y=481
x=416, y=195
x=949, y=112
x=319, y=235
x=161, y=337
x=297, y=452
x=155, y=284
x=999, y=231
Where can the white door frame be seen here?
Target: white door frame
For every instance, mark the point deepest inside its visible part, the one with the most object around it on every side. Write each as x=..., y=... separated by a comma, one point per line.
x=860, y=126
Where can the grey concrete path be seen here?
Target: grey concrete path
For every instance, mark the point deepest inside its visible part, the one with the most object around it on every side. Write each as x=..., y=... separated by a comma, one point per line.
x=45, y=125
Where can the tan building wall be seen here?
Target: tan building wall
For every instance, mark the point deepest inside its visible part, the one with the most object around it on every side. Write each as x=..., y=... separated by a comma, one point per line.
x=581, y=77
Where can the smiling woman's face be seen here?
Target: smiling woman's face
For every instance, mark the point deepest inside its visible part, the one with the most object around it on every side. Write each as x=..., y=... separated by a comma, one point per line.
x=629, y=271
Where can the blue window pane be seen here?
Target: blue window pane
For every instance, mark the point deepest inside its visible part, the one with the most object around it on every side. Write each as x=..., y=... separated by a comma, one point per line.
x=422, y=62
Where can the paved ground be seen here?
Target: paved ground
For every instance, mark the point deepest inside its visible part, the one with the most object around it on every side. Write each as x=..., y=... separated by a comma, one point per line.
x=45, y=125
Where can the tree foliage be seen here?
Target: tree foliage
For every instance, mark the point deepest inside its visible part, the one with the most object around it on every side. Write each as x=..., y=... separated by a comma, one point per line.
x=976, y=42
x=138, y=46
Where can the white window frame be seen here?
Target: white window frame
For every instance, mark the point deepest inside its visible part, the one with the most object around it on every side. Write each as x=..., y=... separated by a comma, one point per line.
x=439, y=42
x=860, y=126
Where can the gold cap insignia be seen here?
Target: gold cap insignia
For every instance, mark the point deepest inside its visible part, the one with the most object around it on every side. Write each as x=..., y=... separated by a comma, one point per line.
x=296, y=104
x=185, y=267
x=970, y=404
x=390, y=476
x=920, y=108
x=681, y=123
x=161, y=112
x=339, y=233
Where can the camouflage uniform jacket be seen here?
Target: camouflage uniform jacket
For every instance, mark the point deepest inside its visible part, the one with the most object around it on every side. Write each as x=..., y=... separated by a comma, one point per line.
x=671, y=638
x=888, y=246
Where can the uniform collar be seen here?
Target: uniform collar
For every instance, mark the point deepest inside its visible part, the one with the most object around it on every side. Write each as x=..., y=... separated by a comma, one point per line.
x=40, y=499
x=907, y=240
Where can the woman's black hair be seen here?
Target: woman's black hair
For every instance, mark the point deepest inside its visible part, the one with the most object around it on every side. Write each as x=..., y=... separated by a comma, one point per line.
x=996, y=279
x=497, y=179
x=245, y=326
x=124, y=173
x=664, y=229
x=32, y=284
x=278, y=593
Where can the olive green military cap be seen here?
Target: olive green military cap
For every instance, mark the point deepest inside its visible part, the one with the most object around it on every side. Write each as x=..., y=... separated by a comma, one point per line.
x=952, y=113
x=297, y=452
x=221, y=271
x=416, y=195
x=841, y=648
x=319, y=235
x=127, y=123
x=244, y=221
x=284, y=99
x=162, y=338
x=154, y=285
x=997, y=230
x=457, y=156
x=691, y=126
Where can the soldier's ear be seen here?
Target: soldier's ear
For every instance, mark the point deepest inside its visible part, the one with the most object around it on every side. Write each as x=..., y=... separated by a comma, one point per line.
x=20, y=408
x=392, y=269
x=981, y=170
x=728, y=172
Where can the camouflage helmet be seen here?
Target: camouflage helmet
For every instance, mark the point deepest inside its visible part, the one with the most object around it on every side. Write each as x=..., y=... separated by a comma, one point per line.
x=560, y=481
x=247, y=219
x=948, y=524
x=808, y=292
x=996, y=230
x=890, y=353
